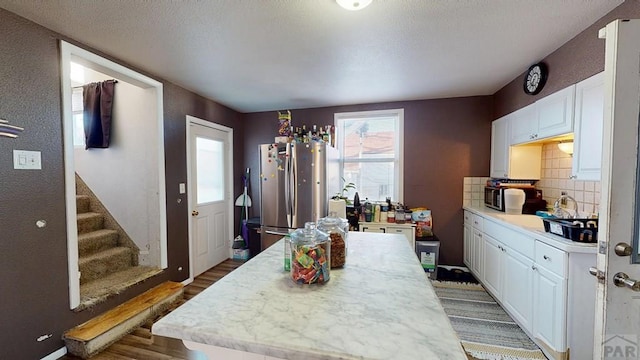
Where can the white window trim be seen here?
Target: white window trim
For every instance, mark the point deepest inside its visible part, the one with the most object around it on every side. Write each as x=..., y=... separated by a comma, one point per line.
x=399, y=145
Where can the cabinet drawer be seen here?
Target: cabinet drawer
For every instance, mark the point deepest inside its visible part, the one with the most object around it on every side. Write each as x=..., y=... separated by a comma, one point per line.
x=511, y=238
x=468, y=216
x=552, y=259
x=375, y=229
x=397, y=230
x=477, y=221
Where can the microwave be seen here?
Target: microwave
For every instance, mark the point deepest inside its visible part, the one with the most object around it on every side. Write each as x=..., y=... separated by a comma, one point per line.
x=494, y=199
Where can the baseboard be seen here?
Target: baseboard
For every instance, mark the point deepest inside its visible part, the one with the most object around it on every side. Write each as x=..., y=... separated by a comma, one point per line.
x=187, y=282
x=56, y=354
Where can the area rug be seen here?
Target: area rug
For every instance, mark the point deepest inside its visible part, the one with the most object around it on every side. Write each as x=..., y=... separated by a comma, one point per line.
x=486, y=331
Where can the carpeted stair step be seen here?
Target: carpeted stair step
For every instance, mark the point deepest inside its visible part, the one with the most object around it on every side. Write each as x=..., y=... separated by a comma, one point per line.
x=90, y=221
x=101, y=289
x=96, y=241
x=98, y=333
x=82, y=204
x=103, y=263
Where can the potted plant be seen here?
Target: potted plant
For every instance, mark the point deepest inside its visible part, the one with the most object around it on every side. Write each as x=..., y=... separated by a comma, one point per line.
x=342, y=194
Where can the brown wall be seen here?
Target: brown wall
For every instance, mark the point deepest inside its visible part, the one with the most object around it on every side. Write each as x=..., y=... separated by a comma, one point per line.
x=576, y=60
x=34, y=280
x=445, y=140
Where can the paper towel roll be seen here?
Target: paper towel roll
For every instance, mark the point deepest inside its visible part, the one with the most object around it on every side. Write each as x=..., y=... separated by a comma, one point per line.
x=339, y=207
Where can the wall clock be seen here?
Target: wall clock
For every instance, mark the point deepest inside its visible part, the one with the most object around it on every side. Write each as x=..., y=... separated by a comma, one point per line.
x=535, y=78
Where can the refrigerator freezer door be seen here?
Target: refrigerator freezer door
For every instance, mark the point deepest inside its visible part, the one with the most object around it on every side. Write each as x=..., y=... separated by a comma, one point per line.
x=272, y=185
x=271, y=235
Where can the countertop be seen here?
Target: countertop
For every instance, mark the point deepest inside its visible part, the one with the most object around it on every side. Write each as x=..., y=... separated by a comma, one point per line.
x=534, y=227
x=379, y=306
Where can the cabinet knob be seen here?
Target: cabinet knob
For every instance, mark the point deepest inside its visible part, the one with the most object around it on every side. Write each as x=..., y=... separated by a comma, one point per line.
x=573, y=177
x=534, y=268
x=546, y=257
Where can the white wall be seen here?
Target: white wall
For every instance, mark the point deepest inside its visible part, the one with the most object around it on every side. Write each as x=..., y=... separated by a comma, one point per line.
x=124, y=176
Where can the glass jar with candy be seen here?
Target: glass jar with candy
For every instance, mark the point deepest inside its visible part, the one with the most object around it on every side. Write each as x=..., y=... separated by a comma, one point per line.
x=310, y=255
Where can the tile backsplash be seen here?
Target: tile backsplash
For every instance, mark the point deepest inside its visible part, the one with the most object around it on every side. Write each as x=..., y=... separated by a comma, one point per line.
x=473, y=194
x=554, y=179
x=556, y=169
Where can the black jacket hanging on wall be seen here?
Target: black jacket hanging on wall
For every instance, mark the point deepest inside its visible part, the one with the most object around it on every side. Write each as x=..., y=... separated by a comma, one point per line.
x=98, y=106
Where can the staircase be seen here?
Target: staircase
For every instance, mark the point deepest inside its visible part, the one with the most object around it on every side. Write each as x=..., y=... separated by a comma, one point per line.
x=108, y=264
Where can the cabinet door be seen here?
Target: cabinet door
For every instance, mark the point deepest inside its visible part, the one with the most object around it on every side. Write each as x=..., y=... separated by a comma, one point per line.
x=518, y=287
x=500, y=148
x=555, y=113
x=549, y=308
x=589, y=119
x=467, y=240
x=523, y=125
x=478, y=253
x=493, y=266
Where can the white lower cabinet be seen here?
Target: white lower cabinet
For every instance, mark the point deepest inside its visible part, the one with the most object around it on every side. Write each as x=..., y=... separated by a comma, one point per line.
x=408, y=230
x=546, y=290
x=550, y=305
x=493, y=266
x=473, y=244
x=478, y=246
x=518, y=289
x=467, y=241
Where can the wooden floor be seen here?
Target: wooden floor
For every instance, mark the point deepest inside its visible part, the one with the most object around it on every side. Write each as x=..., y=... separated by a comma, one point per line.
x=141, y=344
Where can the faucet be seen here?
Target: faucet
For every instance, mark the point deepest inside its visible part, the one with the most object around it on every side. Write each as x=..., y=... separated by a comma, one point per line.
x=562, y=213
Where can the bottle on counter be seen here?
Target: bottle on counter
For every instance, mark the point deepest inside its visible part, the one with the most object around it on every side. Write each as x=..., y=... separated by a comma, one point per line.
x=376, y=217
x=391, y=215
x=399, y=216
x=287, y=253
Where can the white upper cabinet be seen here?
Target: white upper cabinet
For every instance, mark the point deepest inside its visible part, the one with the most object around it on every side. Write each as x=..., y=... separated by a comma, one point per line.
x=524, y=125
x=513, y=162
x=547, y=117
x=555, y=113
x=500, y=148
x=589, y=118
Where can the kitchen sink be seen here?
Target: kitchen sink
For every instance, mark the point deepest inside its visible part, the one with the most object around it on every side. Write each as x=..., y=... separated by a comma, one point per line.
x=533, y=222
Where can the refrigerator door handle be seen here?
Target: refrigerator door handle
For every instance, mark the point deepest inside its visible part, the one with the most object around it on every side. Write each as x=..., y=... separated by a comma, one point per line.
x=294, y=181
x=287, y=195
x=276, y=233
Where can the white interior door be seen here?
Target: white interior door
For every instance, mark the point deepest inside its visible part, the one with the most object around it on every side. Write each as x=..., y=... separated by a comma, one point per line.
x=618, y=307
x=210, y=196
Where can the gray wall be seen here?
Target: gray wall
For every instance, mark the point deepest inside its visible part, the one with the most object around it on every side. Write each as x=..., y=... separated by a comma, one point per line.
x=34, y=280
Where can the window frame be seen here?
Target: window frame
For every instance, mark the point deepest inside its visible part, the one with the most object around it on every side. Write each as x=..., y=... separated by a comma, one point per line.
x=397, y=159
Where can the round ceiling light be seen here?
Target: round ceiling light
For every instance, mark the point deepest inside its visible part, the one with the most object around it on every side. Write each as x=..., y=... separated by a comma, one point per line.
x=354, y=4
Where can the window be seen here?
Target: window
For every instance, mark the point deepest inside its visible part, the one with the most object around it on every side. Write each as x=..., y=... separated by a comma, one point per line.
x=371, y=151
x=77, y=107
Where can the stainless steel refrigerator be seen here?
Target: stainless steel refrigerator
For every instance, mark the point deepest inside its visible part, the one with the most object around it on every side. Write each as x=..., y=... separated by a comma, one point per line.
x=296, y=182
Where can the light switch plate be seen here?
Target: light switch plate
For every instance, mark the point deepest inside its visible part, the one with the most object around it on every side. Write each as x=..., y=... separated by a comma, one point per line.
x=27, y=160
x=183, y=188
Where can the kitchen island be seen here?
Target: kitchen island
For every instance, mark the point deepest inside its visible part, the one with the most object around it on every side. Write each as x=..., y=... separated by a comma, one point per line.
x=379, y=306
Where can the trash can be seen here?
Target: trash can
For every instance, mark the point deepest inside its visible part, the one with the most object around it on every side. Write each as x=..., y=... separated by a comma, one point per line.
x=254, y=237
x=428, y=253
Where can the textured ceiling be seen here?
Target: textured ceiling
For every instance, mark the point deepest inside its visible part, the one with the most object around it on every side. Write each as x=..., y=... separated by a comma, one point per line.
x=259, y=55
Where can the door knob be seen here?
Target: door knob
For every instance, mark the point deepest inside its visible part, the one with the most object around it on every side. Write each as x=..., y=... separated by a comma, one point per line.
x=623, y=249
x=195, y=213
x=622, y=280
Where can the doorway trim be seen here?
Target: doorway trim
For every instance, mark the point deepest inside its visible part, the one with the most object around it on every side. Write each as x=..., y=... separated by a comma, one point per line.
x=192, y=120
x=69, y=52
